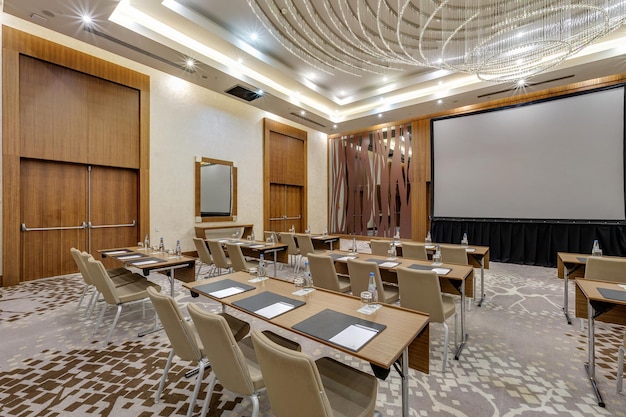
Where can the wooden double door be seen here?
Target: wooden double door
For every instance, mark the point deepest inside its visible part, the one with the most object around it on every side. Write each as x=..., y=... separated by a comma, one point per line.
x=66, y=205
x=286, y=208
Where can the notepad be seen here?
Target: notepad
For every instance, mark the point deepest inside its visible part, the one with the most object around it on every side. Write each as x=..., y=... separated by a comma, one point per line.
x=354, y=337
x=389, y=264
x=470, y=250
x=345, y=258
x=441, y=271
x=275, y=309
x=116, y=252
x=227, y=292
x=258, y=245
x=303, y=291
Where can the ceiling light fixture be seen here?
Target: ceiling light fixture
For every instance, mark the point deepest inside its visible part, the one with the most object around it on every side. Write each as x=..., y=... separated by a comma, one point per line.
x=497, y=40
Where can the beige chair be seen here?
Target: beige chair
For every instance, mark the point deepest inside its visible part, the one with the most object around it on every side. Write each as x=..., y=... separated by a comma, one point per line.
x=220, y=260
x=306, y=244
x=359, y=279
x=324, y=387
x=270, y=234
x=324, y=274
x=292, y=249
x=184, y=340
x=238, y=261
x=119, y=277
x=451, y=254
x=204, y=256
x=606, y=269
x=134, y=292
x=420, y=290
x=233, y=363
x=415, y=251
x=620, y=365
x=380, y=247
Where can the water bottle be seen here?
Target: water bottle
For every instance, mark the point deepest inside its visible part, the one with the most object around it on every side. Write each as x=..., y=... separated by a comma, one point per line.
x=146, y=242
x=261, y=269
x=595, y=250
x=392, y=250
x=354, y=244
x=437, y=256
x=161, y=246
x=293, y=228
x=308, y=280
x=179, y=252
x=371, y=287
x=428, y=239
x=252, y=236
x=464, y=241
x=308, y=230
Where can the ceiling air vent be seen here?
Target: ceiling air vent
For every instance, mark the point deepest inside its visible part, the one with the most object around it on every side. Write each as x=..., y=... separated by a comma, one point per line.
x=243, y=93
x=299, y=116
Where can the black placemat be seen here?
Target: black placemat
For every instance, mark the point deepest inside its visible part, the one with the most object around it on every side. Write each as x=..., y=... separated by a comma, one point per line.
x=421, y=267
x=328, y=323
x=378, y=261
x=265, y=299
x=609, y=294
x=117, y=252
x=222, y=285
x=145, y=259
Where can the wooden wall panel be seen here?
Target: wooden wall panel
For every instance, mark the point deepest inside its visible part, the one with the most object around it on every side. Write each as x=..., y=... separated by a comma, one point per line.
x=131, y=83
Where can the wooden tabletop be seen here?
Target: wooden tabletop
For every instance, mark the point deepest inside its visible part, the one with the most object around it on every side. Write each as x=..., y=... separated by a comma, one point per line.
x=403, y=325
x=590, y=288
x=166, y=260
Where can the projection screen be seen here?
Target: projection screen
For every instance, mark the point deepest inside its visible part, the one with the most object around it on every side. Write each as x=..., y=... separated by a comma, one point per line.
x=561, y=159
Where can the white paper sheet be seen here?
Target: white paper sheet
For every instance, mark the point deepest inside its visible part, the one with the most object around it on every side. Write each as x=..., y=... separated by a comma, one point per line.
x=388, y=264
x=116, y=252
x=303, y=291
x=441, y=271
x=226, y=292
x=274, y=310
x=125, y=258
x=354, y=336
x=258, y=245
x=145, y=262
x=470, y=249
x=345, y=258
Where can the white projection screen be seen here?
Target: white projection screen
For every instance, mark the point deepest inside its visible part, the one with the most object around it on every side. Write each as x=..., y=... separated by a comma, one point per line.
x=561, y=159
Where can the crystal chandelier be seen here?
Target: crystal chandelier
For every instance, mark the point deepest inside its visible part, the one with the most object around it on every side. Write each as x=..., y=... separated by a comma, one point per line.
x=496, y=40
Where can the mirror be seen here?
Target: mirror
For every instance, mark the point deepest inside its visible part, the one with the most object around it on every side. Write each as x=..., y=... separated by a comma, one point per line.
x=216, y=190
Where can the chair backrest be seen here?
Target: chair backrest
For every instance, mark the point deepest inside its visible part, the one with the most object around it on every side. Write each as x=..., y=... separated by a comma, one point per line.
x=380, y=247
x=281, y=367
x=81, y=266
x=420, y=290
x=270, y=234
x=218, y=255
x=454, y=255
x=305, y=243
x=221, y=349
x=179, y=331
x=289, y=240
x=606, y=269
x=100, y=278
x=360, y=275
x=236, y=257
x=323, y=271
x=203, y=251
x=414, y=251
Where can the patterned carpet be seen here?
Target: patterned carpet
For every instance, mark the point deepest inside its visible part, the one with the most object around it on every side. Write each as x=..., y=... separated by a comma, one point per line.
x=521, y=359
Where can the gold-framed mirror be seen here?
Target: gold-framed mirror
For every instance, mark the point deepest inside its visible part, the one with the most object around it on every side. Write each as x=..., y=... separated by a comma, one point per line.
x=216, y=190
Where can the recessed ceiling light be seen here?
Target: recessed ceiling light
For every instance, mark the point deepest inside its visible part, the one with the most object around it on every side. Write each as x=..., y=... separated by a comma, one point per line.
x=190, y=63
x=260, y=92
x=86, y=19
x=380, y=115
x=254, y=36
x=440, y=101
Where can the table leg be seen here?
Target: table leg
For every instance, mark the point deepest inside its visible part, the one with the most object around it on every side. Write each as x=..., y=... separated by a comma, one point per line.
x=590, y=367
x=463, y=334
x=405, y=382
x=275, y=255
x=482, y=282
x=157, y=326
x=566, y=295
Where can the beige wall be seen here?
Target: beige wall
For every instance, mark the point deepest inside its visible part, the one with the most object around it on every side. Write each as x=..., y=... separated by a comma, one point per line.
x=188, y=121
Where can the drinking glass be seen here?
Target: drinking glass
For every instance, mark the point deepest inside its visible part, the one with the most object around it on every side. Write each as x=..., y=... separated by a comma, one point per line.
x=366, y=299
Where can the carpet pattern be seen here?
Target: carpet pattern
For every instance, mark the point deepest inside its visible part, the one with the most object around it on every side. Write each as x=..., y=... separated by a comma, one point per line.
x=521, y=359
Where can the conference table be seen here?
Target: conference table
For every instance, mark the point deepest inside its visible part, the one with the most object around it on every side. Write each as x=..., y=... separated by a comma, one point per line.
x=569, y=265
x=254, y=249
x=149, y=260
x=324, y=241
x=455, y=279
x=599, y=301
x=394, y=333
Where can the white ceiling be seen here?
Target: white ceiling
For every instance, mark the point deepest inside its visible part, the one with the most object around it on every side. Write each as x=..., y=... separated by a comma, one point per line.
x=216, y=33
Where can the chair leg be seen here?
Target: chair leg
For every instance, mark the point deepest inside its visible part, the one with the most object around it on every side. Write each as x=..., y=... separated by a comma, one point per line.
x=117, y=316
x=209, y=394
x=445, y=348
x=104, y=307
x=93, y=300
x=196, y=390
x=82, y=296
x=255, y=404
x=164, y=377
x=620, y=369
